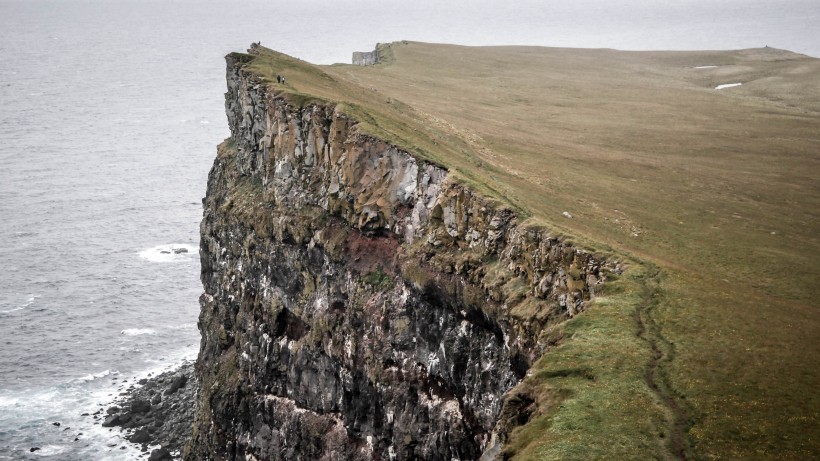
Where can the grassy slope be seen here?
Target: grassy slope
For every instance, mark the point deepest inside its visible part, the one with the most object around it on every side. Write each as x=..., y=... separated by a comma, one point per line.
x=717, y=188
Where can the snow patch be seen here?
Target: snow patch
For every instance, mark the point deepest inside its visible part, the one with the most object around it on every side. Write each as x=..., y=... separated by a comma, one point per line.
x=727, y=85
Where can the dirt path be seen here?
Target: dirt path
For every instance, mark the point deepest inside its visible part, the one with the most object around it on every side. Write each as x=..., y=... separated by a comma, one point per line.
x=662, y=353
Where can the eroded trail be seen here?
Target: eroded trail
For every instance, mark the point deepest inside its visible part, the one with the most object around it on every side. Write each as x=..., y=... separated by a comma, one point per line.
x=663, y=352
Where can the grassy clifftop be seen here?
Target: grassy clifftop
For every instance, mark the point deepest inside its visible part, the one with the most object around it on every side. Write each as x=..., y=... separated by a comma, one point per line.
x=717, y=189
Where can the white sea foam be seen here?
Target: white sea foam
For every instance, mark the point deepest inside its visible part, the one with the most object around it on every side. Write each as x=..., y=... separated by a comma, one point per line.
x=6, y=401
x=28, y=303
x=36, y=410
x=106, y=446
x=93, y=376
x=705, y=67
x=102, y=443
x=50, y=450
x=727, y=85
x=168, y=253
x=138, y=331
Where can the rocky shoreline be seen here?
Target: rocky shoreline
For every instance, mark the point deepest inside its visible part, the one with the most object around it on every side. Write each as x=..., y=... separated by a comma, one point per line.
x=156, y=414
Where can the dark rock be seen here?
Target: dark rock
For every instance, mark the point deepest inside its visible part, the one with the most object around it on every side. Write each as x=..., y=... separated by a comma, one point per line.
x=55, y=424
x=178, y=383
x=112, y=410
x=157, y=420
x=180, y=250
x=143, y=381
x=140, y=436
x=33, y=449
x=111, y=421
x=84, y=414
x=131, y=423
x=140, y=406
x=160, y=454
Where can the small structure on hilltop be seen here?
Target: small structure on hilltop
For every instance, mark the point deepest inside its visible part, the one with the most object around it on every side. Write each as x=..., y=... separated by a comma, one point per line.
x=366, y=58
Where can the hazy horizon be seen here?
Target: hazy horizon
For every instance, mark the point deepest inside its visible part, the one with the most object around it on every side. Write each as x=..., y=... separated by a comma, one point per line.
x=627, y=25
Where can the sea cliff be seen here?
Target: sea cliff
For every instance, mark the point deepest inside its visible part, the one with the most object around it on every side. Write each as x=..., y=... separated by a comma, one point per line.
x=359, y=301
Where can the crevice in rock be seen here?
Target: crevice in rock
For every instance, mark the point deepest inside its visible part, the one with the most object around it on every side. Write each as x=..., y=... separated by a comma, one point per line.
x=290, y=326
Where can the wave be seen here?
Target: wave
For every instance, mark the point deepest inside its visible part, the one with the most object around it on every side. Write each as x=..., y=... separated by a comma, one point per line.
x=93, y=376
x=6, y=401
x=29, y=398
x=138, y=331
x=28, y=303
x=66, y=403
x=50, y=450
x=168, y=253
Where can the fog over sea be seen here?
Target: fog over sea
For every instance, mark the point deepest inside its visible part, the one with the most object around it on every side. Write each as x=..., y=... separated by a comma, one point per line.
x=110, y=113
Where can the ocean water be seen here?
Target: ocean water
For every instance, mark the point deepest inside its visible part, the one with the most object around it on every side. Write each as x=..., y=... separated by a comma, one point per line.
x=110, y=112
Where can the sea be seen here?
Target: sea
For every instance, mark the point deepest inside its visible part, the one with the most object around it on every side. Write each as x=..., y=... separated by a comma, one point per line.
x=110, y=112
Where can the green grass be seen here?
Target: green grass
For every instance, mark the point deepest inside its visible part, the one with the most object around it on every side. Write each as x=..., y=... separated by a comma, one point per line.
x=717, y=189
x=378, y=279
x=591, y=390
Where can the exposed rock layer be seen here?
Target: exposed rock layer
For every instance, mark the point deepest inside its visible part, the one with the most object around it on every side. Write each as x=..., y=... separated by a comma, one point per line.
x=359, y=303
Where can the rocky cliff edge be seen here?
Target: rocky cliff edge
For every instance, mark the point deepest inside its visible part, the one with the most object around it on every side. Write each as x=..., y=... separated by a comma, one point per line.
x=359, y=302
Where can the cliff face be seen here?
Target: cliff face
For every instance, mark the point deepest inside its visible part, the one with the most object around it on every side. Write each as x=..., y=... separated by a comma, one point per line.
x=359, y=303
